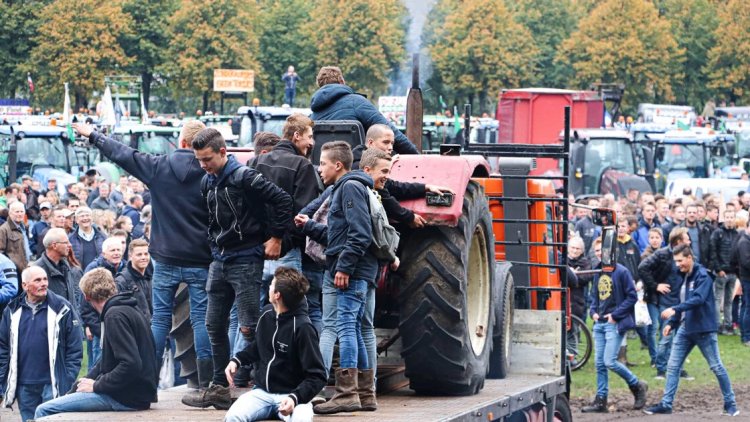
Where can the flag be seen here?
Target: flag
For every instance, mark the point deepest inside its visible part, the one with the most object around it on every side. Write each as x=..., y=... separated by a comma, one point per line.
x=457, y=121
x=144, y=113
x=443, y=105
x=108, y=109
x=30, y=81
x=682, y=125
x=66, y=115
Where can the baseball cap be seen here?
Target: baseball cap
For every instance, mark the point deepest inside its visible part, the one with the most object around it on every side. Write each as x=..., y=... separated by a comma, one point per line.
x=67, y=213
x=45, y=205
x=26, y=177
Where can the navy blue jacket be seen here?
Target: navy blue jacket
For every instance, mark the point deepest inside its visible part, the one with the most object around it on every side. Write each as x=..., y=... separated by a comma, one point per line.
x=699, y=305
x=350, y=228
x=640, y=236
x=180, y=217
x=623, y=288
x=132, y=213
x=76, y=243
x=340, y=102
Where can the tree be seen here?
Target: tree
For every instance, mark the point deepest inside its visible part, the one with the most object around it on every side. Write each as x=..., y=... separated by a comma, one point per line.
x=77, y=46
x=625, y=41
x=729, y=61
x=550, y=23
x=481, y=50
x=280, y=48
x=207, y=36
x=365, y=38
x=693, y=24
x=20, y=24
x=148, y=40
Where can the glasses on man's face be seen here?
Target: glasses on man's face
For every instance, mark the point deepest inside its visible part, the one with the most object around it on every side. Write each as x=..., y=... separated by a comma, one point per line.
x=67, y=242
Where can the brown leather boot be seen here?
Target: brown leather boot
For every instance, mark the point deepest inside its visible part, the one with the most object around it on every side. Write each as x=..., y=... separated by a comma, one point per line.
x=366, y=390
x=622, y=356
x=346, y=398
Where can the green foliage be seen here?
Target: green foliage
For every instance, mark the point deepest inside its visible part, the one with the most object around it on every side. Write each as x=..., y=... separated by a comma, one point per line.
x=480, y=49
x=550, y=22
x=729, y=60
x=206, y=36
x=281, y=45
x=626, y=41
x=20, y=23
x=365, y=38
x=149, y=38
x=74, y=44
x=693, y=24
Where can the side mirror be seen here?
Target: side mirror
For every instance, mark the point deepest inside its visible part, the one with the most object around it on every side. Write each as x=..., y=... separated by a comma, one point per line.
x=603, y=217
x=609, y=248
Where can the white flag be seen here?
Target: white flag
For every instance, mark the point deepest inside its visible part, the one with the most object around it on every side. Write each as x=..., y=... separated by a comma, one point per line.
x=108, y=109
x=66, y=107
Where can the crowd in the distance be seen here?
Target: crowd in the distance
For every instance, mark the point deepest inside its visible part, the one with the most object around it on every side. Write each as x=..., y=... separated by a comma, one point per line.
x=687, y=261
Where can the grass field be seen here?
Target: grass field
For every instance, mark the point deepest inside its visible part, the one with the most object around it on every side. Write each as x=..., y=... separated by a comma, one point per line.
x=734, y=355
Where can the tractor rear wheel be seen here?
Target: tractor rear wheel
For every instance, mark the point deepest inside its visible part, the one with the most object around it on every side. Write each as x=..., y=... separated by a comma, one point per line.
x=446, y=302
x=182, y=333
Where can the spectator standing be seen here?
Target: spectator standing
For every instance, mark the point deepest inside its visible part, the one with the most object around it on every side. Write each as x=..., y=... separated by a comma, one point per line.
x=655, y=242
x=586, y=228
x=133, y=209
x=126, y=376
x=14, y=240
x=723, y=240
x=613, y=299
x=62, y=275
x=137, y=275
x=677, y=219
x=741, y=259
x=39, y=361
x=39, y=228
x=629, y=256
x=334, y=100
x=290, y=79
x=694, y=321
x=700, y=235
x=645, y=223
x=352, y=267
x=244, y=209
x=285, y=383
x=103, y=201
x=87, y=240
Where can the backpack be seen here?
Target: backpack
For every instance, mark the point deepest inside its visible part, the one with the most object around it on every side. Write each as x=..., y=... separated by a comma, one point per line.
x=385, y=238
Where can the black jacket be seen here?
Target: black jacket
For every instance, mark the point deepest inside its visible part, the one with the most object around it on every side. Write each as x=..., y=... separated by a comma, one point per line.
x=340, y=102
x=89, y=316
x=629, y=255
x=741, y=256
x=287, y=169
x=63, y=279
x=286, y=355
x=237, y=199
x=130, y=280
x=578, y=285
x=180, y=217
x=127, y=370
x=704, y=243
x=657, y=268
x=722, y=241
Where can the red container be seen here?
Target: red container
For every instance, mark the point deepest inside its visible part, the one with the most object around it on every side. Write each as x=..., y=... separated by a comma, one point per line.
x=536, y=116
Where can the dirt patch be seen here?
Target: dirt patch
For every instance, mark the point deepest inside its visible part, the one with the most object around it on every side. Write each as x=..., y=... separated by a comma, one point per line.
x=691, y=405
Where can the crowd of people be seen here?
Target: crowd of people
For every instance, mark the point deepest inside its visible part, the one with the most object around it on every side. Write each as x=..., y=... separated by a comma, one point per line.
x=278, y=267
x=688, y=259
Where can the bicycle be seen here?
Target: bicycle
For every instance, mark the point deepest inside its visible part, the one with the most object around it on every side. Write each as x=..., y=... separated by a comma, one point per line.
x=580, y=344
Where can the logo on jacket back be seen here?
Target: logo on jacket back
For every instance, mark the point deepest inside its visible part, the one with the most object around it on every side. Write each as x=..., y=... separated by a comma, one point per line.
x=281, y=347
x=605, y=287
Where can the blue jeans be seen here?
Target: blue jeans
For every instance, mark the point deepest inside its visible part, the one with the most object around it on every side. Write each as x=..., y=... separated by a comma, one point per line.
x=30, y=396
x=94, y=351
x=328, y=334
x=289, y=94
x=745, y=311
x=165, y=282
x=607, y=343
x=682, y=345
x=292, y=259
x=350, y=307
x=230, y=282
x=258, y=405
x=314, y=274
x=80, y=402
x=656, y=323
x=665, y=344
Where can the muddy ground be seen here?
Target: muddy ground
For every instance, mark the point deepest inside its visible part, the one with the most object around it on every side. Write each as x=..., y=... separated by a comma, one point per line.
x=691, y=405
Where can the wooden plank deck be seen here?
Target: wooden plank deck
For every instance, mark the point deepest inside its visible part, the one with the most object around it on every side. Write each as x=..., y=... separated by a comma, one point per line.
x=402, y=405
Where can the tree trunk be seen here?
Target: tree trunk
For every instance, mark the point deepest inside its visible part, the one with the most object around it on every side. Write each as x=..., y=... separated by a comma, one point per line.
x=482, y=102
x=146, y=79
x=205, y=101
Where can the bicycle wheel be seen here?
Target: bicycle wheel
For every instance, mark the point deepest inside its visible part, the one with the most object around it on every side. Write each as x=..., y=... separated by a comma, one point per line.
x=580, y=343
